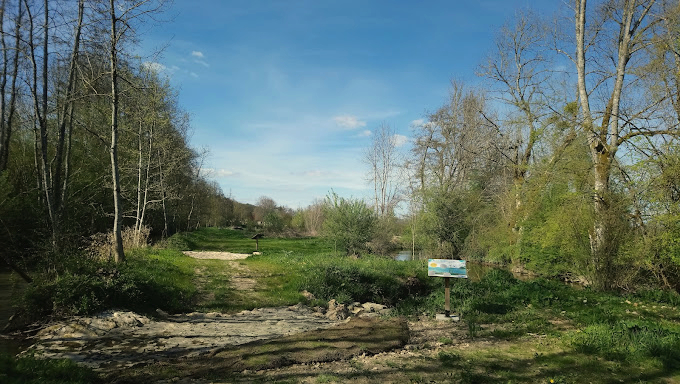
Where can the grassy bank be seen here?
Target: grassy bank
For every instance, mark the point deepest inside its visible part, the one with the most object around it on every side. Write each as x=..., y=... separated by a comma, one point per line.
x=511, y=330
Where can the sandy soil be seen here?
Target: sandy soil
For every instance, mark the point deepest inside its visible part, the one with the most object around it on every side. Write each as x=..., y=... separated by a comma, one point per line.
x=216, y=255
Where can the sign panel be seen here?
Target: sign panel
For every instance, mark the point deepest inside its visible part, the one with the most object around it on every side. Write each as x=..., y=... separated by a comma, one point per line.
x=446, y=268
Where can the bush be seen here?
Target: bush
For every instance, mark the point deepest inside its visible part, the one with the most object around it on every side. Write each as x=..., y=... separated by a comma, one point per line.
x=102, y=247
x=349, y=223
x=371, y=279
x=145, y=282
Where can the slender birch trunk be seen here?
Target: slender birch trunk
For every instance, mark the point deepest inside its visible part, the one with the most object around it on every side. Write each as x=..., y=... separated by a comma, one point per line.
x=119, y=254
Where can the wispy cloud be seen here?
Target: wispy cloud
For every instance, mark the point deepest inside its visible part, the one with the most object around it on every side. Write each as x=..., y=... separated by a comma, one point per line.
x=203, y=63
x=198, y=54
x=217, y=173
x=349, y=122
x=399, y=140
x=314, y=174
x=365, y=133
x=417, y=122
x=193, y=74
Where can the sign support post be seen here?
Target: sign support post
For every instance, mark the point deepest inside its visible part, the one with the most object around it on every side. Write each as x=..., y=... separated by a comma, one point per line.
x=447, y=295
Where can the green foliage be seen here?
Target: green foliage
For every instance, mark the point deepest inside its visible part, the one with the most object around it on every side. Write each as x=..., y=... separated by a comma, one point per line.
x=149, y=280
x=349, y=223
x=370, y=278
x=557, y=216
x=447, y=221
x=30, y=370
x=382, y=242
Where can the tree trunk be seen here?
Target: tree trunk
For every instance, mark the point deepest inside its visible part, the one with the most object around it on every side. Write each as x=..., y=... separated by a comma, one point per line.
x=165, y=212
x=65, y=118
x=119, y=255
x=3, y=84
x=138, y=212
x=602, y=244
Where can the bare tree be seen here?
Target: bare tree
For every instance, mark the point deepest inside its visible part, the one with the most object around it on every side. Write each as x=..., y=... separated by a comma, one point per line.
x=454, y=141
x=10, y=69
x=314, y=216
x=384, y=160
x=124, y=14
x=609, y=42
x=519, y=71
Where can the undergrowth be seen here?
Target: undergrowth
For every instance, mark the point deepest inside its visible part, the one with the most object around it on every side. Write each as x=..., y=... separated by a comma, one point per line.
x=149, y=279
x=29, y=370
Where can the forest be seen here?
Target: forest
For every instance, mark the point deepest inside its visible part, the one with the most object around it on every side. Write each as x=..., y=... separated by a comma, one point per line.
x=563, y=162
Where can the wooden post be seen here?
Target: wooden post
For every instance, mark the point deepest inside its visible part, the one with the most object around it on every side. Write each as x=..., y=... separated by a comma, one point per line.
x=257, y=241
x=447, y=296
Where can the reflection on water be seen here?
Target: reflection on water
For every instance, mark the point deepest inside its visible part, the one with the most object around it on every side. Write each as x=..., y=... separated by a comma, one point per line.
x=403, y=255
x=475, y=271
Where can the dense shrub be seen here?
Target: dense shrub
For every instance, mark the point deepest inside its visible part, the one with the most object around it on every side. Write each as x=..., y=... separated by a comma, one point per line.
x=349, y=223
x=146, y=282
x=371, y=279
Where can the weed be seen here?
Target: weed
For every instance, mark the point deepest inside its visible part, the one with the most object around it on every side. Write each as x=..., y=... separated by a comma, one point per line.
x=30, y=370
x=323, y=378
x=448, y=359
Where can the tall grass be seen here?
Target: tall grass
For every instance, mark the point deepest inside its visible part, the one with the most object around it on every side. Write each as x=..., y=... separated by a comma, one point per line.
x=149, y=279
x=29, y=370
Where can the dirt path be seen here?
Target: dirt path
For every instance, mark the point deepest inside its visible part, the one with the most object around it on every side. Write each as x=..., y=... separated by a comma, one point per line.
x=239, y=280
x=216, y=255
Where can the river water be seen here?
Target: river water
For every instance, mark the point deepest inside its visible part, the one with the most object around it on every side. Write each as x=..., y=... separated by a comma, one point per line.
x=475, y=271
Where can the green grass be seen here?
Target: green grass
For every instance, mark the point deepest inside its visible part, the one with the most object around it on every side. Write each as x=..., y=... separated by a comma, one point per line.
x=519, y=331
x=29, y=370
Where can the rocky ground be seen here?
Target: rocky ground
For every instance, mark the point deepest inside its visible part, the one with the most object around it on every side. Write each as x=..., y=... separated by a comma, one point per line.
x=117, y=340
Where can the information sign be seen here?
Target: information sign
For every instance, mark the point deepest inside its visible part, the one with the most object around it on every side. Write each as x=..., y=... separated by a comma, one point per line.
x=446, y=268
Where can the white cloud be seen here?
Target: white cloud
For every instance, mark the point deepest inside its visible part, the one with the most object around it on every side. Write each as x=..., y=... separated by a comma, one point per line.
x=315, y=174
x=365, y=133
x=218, y=173
x=198, y=54
x=399, y=140
x=417, y=122
x=193, y=74
x=349, y=122
x=203, y=63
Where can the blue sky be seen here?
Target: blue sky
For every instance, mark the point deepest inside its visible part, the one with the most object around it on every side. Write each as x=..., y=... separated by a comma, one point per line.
x=284, y=94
